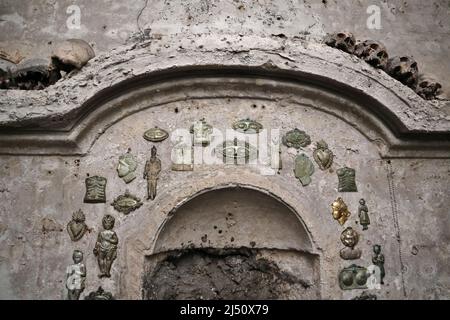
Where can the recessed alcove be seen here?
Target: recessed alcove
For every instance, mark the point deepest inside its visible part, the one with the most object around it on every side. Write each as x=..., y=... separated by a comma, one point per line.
x=232, y=243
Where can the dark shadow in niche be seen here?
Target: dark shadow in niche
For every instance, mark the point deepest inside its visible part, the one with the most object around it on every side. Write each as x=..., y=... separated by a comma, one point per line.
x=232, y=242
x=238, y=273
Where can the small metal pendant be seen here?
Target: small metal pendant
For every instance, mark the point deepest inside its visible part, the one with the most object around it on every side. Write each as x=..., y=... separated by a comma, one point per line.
x=202, y=132
x=353, y=277
x=322, y=155
x=182, y=157
x=346, y=178
x=100, y=294
x=350, y=239
x=304, y=168
x=77, y=226
x=151, y=173
x=237, y=152
x=127, y=167
x=156, y=134
x=247, y=126
x=296, y=139
x=340, y=211
x=126, y=203
x=363, y=214
x=366, y=296
x=105, y=249
x=76, y=276
x=95, y=190
x=378, y=260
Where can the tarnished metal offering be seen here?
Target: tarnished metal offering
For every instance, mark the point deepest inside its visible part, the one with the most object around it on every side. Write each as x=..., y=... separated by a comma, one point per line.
x=247, y=126
x=75, y=276
x=303, y=170
x=363, y=214
x=365, y=296
x=296, y=139
x=151, y=173
x=346, y=178
x=76, y=228
x=100, y=294
x=202, y=132
x=353, y=277
x=127, y=167
x=275, y=154
x=237, y=152
x=378, y=260
x=322, y=155
x=126, y=203
x=182, y=157
x=350, y=238
x=156, y=134
x=95, y=190
x=340, y=211
x=106, y=246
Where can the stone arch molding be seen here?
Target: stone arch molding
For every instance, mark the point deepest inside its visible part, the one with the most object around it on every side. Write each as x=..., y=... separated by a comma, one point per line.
x=67, y=118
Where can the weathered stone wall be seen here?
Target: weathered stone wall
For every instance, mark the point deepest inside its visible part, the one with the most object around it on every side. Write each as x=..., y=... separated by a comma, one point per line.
x=413, y=27
x=39, y=194
x=52, y=139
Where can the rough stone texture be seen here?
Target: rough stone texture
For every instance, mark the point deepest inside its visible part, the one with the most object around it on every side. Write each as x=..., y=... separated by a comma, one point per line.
x=225, y=274
x=270, y=54
x=37, y=189
x=226, y=69
x=106, y=25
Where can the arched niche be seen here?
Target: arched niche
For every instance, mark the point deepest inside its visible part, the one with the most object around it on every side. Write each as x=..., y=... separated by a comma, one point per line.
x=233, y=217
x=215, y=236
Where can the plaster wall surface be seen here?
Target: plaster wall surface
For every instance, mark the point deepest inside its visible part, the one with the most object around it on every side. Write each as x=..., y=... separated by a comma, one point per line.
x=181, y=71
x=39, y=194
x=413, y=27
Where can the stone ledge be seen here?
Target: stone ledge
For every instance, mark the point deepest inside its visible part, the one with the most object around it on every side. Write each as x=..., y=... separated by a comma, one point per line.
x=59, y=105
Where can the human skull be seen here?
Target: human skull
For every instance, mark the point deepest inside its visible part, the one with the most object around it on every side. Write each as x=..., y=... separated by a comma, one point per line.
x=344, y=41
x=373, y=52
x=33, y=65
x=6, y=68
x=34, y=74
x=428, y=88
x=404, y=69
x=72, y=54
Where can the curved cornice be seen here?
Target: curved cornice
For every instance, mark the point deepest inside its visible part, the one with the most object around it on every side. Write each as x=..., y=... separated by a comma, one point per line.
x=68, y=117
